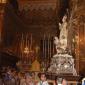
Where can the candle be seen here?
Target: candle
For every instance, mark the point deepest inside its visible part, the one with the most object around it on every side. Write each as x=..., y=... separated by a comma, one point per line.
x=31, y=43
x=28, y=52
x=45, y=47
x=50, y=48
x=27, y=41
x=22, y=44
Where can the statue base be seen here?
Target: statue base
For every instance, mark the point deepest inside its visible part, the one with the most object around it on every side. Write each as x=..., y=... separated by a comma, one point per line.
x=62, y=64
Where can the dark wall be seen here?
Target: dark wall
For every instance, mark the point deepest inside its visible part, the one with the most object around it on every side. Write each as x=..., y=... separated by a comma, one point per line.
x=7, y=60
x=37, y=22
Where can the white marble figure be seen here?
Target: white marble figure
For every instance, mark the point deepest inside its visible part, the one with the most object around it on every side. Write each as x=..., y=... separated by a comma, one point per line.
x=63, y=32
x=61, y=43
x=57, y=44
x=62, y=62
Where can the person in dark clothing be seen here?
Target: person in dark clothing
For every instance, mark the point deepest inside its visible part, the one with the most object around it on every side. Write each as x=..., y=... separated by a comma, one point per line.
x=1, y=79
x=9, y=78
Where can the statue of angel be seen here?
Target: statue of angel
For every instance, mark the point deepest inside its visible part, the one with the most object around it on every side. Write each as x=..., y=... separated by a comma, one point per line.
x=56, y=42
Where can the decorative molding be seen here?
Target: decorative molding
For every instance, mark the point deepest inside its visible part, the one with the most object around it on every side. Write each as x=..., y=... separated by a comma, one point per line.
x=38, y=5
x=41, y=6
x=35, y=26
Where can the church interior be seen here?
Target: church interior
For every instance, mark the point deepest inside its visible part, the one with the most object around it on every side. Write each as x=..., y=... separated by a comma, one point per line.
x=43, y=36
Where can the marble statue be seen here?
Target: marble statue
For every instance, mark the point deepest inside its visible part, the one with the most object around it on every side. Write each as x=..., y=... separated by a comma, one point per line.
x=61, y=43
x=63, y=32
x=62, y=62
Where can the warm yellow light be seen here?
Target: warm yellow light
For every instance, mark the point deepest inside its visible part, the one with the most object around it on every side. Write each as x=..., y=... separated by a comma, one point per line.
x=26, y=50
x=3, y=1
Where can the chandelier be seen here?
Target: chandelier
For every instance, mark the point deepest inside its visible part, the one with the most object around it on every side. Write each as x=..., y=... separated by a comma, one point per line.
x=26, y=47
x=27, y=51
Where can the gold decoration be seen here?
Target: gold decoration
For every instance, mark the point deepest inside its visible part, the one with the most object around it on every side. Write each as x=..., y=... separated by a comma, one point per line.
x=35, y=66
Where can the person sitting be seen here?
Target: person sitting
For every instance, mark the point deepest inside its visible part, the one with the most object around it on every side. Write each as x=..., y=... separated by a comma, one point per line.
x=60, y=81
x=9, y=78
x=83, y=81
x=22, y=78
x=43, y=79
x=1, y=81
x=29, y=79
x=64, y=82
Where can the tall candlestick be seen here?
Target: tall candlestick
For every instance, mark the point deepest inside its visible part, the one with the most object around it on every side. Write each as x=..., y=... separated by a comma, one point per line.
x=50, y=48
x=31, y=43
x=23, y=48
x=28, y=51
x=27, y=41
x=22, y=44
x=53, y=48
x=45, y=48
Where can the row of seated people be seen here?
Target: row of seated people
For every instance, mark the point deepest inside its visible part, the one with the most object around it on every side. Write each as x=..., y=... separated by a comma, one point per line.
x=13, y=77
